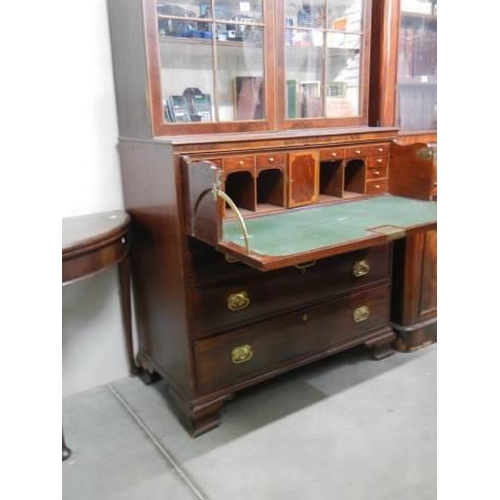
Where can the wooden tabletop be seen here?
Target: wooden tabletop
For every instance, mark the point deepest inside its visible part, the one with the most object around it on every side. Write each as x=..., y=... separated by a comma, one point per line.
x=84, y=230
x=93, y=242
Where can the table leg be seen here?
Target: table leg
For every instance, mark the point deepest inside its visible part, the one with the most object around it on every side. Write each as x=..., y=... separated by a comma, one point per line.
x=124, y=277
x=66, y=452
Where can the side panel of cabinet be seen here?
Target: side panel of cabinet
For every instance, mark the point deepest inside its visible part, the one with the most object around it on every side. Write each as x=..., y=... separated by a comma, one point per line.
x=303, y=178
x=151, y=184
x=414, y=299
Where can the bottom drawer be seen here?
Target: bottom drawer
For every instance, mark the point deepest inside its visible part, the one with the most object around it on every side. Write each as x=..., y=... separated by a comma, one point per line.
x=231, y=357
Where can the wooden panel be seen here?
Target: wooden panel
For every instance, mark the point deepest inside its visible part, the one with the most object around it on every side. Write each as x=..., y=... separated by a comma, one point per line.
x=413, y=171
x=428, y=283
x=288, y=337
x=278, y=291
x=303, y=178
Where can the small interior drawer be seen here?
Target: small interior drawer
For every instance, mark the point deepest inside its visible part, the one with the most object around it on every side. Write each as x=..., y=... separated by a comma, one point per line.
x=377, y=161
x=270, y=160
x=357, y=151
x=239, y=163
x=381, y=149
x=331, y=154
x=376, y=186
x=376, y=173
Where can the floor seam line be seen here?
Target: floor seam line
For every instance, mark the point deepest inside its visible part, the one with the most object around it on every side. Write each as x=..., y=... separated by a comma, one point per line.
x=157, y=443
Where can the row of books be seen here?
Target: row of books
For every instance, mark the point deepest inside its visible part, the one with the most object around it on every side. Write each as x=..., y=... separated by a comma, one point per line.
x=304, y=100
x=417, y=53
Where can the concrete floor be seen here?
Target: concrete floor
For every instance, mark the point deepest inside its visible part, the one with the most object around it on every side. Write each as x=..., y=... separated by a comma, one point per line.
x=346, y=428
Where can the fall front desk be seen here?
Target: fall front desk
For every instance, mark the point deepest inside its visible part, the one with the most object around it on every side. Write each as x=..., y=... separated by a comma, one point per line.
x=262, y=295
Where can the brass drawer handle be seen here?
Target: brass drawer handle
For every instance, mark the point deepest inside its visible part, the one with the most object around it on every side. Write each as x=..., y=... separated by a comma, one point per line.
x=303, y=267
x=241, y=354
x=358, y=151
x=334, y=154
x=361, y=314
x=377, y=172
x=360, y=268
x=379, y=160
x=271, y=160
x=237, y=301
x=381, y=149
x=241, y=163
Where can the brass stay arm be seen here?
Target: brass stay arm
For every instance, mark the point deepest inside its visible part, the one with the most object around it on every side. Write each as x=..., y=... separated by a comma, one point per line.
x=217, y=192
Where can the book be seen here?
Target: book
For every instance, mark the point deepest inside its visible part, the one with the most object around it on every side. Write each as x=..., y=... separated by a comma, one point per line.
x=291, y=98
x=248, y=97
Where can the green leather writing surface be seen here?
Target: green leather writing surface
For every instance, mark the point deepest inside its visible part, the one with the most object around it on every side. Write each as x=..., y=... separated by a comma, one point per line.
x=296, y=231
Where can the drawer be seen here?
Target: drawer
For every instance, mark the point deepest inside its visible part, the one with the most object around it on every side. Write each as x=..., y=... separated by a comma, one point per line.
x=239, y=163
x=271, y=160
x=331, y=154
x=381, y=149
x=357, y=151
x=265, y=346
x=377, y=161
x=376, y=173
x=240, y=298
x=377, y=186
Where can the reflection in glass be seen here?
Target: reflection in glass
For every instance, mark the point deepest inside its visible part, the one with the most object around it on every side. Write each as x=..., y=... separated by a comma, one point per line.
x=240, y=75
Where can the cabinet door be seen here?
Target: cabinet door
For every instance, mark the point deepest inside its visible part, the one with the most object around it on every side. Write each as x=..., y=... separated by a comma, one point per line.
x=210, y=71
x=303, y=178
x=324, y=49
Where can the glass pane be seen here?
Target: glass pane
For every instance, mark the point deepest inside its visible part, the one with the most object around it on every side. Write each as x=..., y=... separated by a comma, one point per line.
x=240, y=73
x=343, y=75
x=207, y=66
x=344, y=15
x=304, y=71
x=417, y=66
x=305, y=14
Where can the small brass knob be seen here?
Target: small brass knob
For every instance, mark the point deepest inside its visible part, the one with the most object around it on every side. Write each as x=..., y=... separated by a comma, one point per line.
x=377, y=172
x=271, y=160
x=381, y=149
x=377, y=186
x=241, y=354
x=379, y=160
x=358, y=151
x=361, y=314
x=360, y=268
x=237, y=301
x=305, y=317
x=334, y=154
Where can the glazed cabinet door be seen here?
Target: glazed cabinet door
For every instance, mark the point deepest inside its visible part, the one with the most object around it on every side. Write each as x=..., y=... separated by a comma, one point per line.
x=323, y=48
x=210, y=65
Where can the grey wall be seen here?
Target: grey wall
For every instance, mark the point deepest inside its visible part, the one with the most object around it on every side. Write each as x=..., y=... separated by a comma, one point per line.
x=93, y=349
